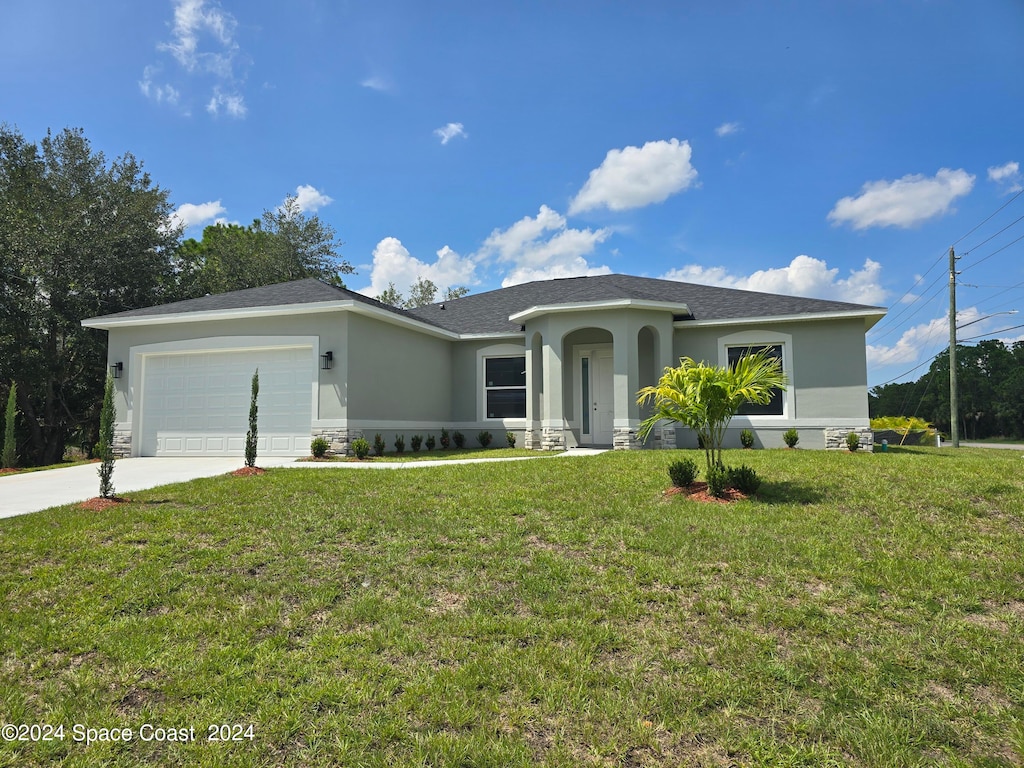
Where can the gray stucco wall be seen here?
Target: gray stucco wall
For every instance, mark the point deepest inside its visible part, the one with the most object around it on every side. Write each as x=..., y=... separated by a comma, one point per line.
x=330, y=328
x=829, y=362
x=396, y=374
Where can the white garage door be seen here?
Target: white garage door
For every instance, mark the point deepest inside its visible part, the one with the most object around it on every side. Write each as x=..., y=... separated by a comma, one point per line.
x=197, y=404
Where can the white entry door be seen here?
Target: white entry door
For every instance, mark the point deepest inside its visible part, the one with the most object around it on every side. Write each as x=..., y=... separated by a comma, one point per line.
x=597, y=396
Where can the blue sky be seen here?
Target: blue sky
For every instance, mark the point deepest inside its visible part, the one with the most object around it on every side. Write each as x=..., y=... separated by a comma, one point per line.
x=828, y=149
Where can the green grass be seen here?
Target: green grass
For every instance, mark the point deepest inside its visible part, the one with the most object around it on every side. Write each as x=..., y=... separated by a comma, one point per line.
x=863, y=610
x=61, y=465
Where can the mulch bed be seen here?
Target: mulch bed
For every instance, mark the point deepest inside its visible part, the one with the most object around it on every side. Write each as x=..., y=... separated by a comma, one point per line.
x=9, y=470
x=246, y=471
x=98, y=504
x=698, y=491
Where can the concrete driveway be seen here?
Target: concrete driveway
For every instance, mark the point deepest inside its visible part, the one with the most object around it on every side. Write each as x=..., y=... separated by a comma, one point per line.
x=33, y=491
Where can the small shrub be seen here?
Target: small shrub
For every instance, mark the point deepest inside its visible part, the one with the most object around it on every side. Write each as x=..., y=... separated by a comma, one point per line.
x=105, y=447
x=446, y=439
x=791, y=437
x=319, y=447
x=744, y=479
x=399, y=443
x=459, y=439
x=250, y=436
x=416, y=442
x=683, y=472
x=853, y=441
x=9, y=457
x=484, y=438
x=747, y=438
x=510, y=438
x=430, y=442
x=378, y=445
x=360, y=448
x=718, y=480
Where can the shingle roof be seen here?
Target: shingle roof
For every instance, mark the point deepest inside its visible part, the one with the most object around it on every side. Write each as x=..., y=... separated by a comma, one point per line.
x=489, y=312
x=307, y=291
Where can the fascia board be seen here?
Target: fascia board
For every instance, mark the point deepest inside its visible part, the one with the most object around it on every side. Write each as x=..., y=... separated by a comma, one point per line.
x=269, y=311
x=871, y=317
x=589, y=306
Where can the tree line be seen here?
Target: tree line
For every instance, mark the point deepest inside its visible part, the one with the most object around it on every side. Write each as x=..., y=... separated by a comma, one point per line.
x=990, y=392
x=82, y=236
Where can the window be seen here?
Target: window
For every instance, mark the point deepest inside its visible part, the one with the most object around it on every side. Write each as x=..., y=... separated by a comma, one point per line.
x=774, y=407
x=505, y=387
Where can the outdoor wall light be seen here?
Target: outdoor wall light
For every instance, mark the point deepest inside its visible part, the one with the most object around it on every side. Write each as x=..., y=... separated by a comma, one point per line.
x=327, y=360
x=116, y=369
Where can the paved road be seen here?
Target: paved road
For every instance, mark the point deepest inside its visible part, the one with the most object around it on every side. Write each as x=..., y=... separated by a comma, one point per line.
x=34, y=491
x=1007, y=446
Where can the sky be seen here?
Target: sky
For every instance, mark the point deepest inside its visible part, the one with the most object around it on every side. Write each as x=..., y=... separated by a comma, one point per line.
x=834, y=150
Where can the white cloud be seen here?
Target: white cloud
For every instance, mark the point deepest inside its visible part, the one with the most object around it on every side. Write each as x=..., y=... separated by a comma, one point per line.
x=913, y=345
x=310, y=199
x=637, y=176
x=204, y=47
x=805, y=276
x=450, y=131
x=727, y=129
x=191, y=215
x=161, y=94
x=232, y=103
x=542, y=247
x=1008, y=175
x=376, y=83
x=392, y=263
x=904, y=202
x=194, y=19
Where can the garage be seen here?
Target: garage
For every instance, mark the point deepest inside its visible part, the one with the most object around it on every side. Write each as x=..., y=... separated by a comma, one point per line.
x=196, y=403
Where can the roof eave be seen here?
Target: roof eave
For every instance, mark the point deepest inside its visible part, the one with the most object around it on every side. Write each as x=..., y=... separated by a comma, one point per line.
x=523, y=316
x=871, y=316
x=244, y=313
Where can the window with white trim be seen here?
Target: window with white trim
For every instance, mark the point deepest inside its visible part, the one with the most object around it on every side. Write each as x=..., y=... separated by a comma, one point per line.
x=775, y=406
x=505, y=387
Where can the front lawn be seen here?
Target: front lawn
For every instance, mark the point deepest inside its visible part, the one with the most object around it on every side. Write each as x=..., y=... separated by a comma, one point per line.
x=863, y=610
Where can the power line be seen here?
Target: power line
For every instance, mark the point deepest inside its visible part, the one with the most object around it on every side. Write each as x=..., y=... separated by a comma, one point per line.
x=992, y=333
x=998, y=250
x=888, y=320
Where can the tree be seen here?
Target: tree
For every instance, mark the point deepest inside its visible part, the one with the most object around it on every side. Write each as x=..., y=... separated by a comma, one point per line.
x=79, y=237
x=250, y=436
x=284, y=245
x=421, y=293
x=105, y=446
x=9, y=456
x=705, y=397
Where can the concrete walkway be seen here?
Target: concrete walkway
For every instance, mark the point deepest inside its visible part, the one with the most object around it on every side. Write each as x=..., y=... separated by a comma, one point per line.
x=26, y=492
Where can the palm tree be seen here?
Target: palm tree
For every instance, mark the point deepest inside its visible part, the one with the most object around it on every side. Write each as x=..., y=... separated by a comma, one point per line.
x=705, y=397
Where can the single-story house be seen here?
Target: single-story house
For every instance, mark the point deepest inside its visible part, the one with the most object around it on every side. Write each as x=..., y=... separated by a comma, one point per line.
x=557, y=362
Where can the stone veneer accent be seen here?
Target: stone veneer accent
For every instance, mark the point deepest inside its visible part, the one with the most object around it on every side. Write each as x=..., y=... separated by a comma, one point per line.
x=664, y=438
x=122, y=446
x=625, y=439
x=340, y=439
x=835, y=438
x=552, y=439
x=531, y=440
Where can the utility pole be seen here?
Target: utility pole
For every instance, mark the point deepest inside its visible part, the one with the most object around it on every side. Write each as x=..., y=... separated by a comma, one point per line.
x=954, y=405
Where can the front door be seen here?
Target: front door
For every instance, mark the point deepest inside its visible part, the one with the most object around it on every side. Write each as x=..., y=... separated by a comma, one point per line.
x=596, y=396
